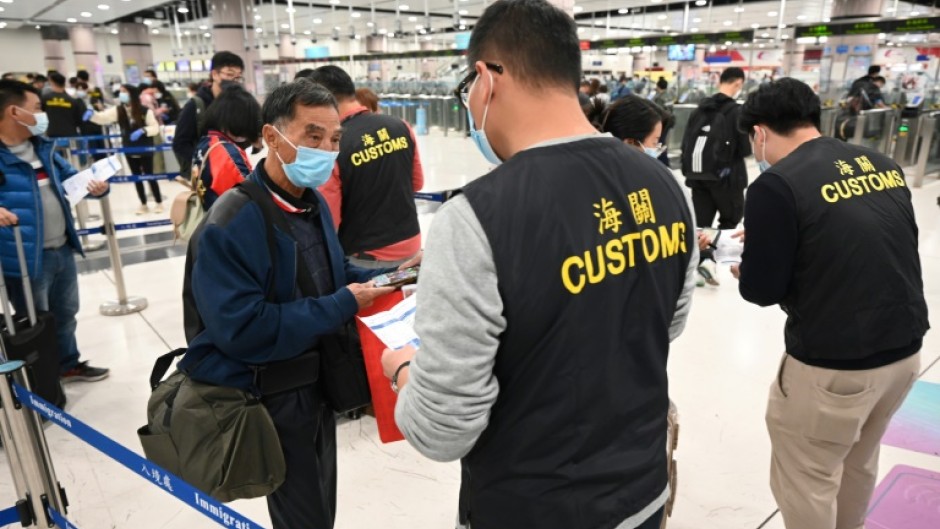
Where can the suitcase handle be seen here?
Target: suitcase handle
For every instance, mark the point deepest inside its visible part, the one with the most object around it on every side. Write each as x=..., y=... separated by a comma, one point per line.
x=27, y=287
x=24, y=272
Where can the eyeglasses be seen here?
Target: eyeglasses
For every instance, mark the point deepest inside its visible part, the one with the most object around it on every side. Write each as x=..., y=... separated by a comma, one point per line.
x=229, y=75
x=462, y=92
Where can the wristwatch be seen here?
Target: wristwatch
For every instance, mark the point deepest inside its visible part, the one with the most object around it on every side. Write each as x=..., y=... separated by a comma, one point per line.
x=403, y=365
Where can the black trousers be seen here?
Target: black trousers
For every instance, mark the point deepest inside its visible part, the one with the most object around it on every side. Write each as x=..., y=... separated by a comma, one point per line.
x=144, y=165
x=722, y=198
x=307, y=430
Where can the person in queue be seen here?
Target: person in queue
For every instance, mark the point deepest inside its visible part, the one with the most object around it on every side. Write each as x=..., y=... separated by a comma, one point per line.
x=243, y=326
x=371, y=192
x=165, y=108
x=95, y=95
x=190, y=127
x=234, y=124
x=518, y=344
x=65, y=111
x=637, y=122
x=830, y=237
x=32, y=196
x=138, y=128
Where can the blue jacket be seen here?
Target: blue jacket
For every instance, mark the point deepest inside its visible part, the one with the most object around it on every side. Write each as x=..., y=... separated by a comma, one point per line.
x=19, y=193
x=228, y=272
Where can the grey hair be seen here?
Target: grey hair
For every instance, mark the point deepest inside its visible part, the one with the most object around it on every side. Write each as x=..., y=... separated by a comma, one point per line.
x=280, y=105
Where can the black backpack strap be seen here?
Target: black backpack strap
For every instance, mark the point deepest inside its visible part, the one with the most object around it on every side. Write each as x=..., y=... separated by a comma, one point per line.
x=304, y=369
x=273, y=217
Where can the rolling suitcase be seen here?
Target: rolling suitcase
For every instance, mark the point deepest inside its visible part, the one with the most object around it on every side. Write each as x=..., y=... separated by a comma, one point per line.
x=31, y=338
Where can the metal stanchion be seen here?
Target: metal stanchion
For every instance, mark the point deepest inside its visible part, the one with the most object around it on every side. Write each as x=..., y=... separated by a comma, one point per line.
x=445, y=112
x=123, y=305
x=28, y=446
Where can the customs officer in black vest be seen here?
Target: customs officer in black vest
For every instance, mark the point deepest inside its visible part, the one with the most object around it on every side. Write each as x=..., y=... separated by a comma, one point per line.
x=831, y=238
x=549, y=293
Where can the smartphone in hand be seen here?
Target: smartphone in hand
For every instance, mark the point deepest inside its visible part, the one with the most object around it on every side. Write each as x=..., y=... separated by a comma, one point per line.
x=397, y=279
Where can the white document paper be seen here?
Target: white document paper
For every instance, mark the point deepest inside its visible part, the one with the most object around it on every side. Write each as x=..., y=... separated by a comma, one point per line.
x=729, y=249
x=395, y=327
x=76, y=188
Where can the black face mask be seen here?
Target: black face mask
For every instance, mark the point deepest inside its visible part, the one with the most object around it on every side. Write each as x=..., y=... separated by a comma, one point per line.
x=225, y=84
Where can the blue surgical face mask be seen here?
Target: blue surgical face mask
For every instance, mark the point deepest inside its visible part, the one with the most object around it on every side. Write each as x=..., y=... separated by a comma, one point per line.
x=763, y=165
x=652, y=152
x=147, y=81
x=125, y=98
x=42, y=123
x=311, y=168
x=479, y=136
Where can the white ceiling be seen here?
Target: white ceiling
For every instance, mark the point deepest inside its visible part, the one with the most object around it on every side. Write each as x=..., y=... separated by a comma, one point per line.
x=320, y=21
x=19, y=12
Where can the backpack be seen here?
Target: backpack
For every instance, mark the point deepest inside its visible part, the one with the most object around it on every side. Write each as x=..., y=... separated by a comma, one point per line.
x=187, y=211
x=200, y=116
x=185, y=164
x=709, y=144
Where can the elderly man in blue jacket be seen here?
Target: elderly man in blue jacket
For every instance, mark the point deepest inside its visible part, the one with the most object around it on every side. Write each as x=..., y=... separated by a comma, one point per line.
x=250, y=305
x=32, y=196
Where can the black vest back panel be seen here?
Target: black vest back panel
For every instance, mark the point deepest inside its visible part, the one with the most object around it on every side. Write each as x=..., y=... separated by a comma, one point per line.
x=376, y=164
x=591, y=242
x=857, y=288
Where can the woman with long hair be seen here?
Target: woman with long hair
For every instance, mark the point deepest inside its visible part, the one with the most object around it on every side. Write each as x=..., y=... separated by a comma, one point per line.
x=138, y=128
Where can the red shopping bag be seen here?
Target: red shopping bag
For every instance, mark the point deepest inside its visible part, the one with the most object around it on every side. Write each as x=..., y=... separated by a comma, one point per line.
x=383, y=398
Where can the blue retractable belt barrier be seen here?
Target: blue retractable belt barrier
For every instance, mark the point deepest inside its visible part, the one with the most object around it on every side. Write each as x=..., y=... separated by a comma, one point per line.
x=60, y=520
x=125, y=150
x=433, y=197
x=142, y=178
x=9, y=516
x=84, y=139
x=128, y=226
x=198, y=500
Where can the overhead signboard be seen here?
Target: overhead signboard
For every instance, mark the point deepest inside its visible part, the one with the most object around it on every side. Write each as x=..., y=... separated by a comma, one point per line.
x=668, y=40
x=910, y=25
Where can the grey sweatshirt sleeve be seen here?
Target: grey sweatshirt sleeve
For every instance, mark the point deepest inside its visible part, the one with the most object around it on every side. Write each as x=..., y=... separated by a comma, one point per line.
x=446, y=404
x=685, y=300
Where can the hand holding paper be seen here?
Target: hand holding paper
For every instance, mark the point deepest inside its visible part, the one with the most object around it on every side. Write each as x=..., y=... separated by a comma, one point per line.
x=92, y=180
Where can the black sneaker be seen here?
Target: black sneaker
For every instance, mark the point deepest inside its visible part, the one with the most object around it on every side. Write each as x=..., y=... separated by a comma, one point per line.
x=85, y=373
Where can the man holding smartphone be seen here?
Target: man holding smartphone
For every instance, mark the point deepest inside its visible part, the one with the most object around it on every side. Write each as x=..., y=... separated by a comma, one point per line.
x=549, y=293
x=247, y=304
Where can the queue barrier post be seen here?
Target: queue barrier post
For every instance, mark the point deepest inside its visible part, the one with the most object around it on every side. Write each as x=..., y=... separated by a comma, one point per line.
x=124, y=304
x=38, y=489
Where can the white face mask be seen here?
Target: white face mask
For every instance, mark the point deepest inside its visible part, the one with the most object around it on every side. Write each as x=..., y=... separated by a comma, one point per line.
x=70, y=91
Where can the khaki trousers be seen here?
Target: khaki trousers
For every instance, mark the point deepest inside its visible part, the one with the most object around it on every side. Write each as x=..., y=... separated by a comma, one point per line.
x=825, y=430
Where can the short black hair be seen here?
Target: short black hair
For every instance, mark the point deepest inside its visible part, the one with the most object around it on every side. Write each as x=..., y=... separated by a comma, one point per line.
x=14, y=93
x=57, y=79
x=235, y=112
x=879, y=79
x=306, y=73
x=783, y=106
x=874, y=70
x=631, y=118
x=535, y=41
x=83, y=75
x=662, y=84
x=40, y=78
x=224, y=59
x=151, y=72
x=281, y=104
x=731, y=75
x=336, y=80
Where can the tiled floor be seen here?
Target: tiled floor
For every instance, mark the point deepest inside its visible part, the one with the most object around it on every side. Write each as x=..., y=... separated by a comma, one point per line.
x=720, y=371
